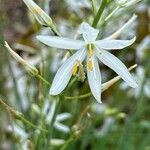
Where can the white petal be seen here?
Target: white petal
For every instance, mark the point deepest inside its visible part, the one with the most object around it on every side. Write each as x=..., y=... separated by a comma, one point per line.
x=60, y=42
x=114, y=44
x=94, y=78
x=89, y=33
x=61, y=127
x=64, y=73
x=63, y=116
x=115, y=64
x=51, y=112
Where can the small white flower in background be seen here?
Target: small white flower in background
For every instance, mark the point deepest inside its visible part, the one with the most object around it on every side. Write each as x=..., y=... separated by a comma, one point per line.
x=140, y=77
x=108, y=123
x=49, y=110
x=126, y=3
x=92, y=50
x=57, y=142
x=125, y=29
x=21, y=133
x=143, y=46
x=98, y=109
x=77, y=5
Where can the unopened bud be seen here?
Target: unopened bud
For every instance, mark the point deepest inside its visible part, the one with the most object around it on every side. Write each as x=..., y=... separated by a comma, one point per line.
x=121, y=115
x=40, y=15
x=57, y=142
x=30, y=69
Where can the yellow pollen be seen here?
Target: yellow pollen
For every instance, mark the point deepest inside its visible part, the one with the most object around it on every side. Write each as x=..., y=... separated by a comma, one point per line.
x=90, y=65
x=75, y=69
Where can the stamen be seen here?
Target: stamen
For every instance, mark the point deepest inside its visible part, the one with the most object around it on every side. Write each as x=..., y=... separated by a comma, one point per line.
x=90, y=65
x=81, y=72
x=75, y=69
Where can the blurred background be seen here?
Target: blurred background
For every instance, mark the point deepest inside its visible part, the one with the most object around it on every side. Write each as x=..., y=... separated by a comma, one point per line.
x=121, y=122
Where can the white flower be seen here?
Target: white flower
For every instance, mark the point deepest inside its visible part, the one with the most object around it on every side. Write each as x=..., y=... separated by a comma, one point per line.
x=77, y=5
x=127, y=3
x=49, y=111
x=142, y=47
x=92, y=50
x=140, y=77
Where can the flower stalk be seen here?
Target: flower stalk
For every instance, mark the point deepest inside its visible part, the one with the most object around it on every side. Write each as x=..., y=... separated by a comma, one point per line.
x=19, y=116
x=99, y=13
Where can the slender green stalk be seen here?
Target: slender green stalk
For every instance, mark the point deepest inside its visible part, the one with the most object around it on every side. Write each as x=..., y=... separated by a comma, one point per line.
x=94, y=6
x=78, y=97
x=110, y=15
x=41, y=78
x=16, y=91
x=50, y=129
x=19, y=116
x=99, y=13
x=71, y=139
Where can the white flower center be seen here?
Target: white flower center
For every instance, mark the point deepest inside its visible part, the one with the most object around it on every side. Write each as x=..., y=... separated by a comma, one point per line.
x=90, y=48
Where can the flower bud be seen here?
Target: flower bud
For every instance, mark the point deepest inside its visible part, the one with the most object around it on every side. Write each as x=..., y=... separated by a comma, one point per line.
x=30, y=69
x=57, y=142
x=40, y=15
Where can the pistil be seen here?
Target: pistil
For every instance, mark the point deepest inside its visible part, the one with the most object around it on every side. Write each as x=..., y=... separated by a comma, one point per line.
x=90, y=48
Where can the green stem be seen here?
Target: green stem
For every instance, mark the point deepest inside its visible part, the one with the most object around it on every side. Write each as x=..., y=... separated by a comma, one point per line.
x=78, y=97
x=19, y=116
x=67, y=143
x=99, y=13
x=50, y=129
x=16, y=91
x=94, y=6
x=110, y=15
x=41, y=78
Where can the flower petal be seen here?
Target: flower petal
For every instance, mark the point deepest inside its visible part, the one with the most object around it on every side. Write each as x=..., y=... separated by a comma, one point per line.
x=64, y=73
x=94, y=78
x=89, y=33
x=60, y=42
x=115, y=64
x=114, y=44
x=63, y=116
x=61, y=127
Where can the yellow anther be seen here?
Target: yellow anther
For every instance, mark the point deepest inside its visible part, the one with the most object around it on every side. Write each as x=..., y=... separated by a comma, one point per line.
x=90, y=65
x=81, y=72
x=75, y=69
